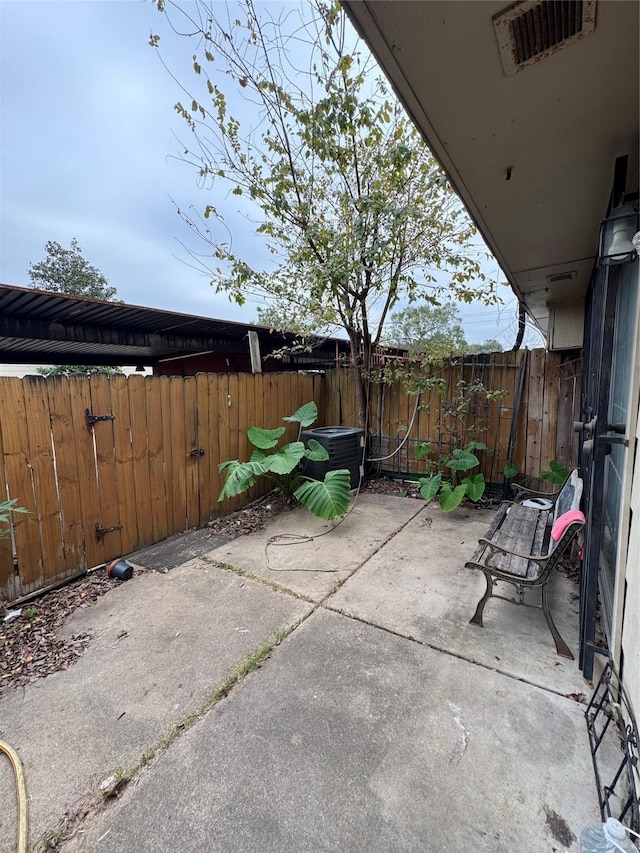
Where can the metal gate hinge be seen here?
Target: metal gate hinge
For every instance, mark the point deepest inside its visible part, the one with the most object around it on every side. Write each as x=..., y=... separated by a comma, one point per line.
x=92, y=419
x=100, y=531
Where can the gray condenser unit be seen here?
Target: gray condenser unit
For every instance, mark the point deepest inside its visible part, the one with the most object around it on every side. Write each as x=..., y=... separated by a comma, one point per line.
x=345, y=446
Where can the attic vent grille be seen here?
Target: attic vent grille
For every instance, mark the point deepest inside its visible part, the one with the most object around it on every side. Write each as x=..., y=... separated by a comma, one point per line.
x=562, y=276
x=530, y=30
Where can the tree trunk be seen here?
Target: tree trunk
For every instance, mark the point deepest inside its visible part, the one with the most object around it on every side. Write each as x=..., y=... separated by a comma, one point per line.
x=360, y=372
x=361, y=397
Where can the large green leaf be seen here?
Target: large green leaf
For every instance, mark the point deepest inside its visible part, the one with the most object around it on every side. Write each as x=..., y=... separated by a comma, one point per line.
x=556, y=474
x=475, y=445
x=510, y=469
x=429, y=486
x=451, y=498
x=240, y=476
x=315, y=451
x=423, y=449
x=329, y=499
x=264, y=438
x=305, y=415
x=462, y=460
x=475, y=486
x=284, y=460
x=6, y=508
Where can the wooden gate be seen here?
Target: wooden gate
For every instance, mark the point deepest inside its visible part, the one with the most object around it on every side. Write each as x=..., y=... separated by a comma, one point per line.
x=109, y=464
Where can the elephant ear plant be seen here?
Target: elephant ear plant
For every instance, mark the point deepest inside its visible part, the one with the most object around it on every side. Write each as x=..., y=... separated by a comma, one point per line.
x=281, y=465
x=451, y=487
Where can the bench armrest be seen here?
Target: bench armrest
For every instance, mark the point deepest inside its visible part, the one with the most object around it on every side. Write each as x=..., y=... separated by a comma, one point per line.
x=541, y=558
x=523, y=490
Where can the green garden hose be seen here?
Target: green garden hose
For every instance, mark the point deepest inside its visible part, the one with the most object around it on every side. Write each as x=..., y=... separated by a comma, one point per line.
x=21, y=792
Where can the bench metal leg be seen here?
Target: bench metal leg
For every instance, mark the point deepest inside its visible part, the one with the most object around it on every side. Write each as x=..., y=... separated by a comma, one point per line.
x=477, y=616
x=561, y=647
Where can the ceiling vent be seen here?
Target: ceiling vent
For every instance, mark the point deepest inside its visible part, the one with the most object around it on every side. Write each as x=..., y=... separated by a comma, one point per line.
x=530, y=30
x=562, y=276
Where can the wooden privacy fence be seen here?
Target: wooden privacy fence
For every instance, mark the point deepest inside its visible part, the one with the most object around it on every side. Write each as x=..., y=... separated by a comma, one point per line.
x=108, y=464
x=145, y=468
x=532, y=422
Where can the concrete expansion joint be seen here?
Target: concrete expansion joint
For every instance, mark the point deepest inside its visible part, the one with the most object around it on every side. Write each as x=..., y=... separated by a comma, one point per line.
x=277, y=587
x=340, y=583
x=410, y=638
x=98, y=799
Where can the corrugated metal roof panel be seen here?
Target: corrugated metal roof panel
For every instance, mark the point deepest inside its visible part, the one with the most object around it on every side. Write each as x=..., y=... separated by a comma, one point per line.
x=41, y=324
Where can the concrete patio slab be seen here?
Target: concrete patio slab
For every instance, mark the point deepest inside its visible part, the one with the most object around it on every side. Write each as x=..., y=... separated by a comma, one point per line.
x=418, y=587
x=162, y=644
x=352, y=738
x=294, y=552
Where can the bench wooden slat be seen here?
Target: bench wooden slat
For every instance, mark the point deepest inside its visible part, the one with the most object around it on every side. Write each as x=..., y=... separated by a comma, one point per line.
x=516, y=529
x=517, y=533
x=495, y=524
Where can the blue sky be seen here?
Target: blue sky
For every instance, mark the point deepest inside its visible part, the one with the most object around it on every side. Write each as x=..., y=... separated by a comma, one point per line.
x=88, y=130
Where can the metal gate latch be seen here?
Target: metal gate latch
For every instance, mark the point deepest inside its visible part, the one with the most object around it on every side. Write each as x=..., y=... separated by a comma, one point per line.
x=92, y=419
x=100, y=531
x=197, y=451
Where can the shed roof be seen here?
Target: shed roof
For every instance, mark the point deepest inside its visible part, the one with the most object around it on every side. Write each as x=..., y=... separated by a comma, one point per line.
x=54, y=328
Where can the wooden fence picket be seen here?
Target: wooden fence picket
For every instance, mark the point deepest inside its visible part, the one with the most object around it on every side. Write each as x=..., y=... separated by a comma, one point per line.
x=83, y=440
x=68, y=475
x=9, y=581
x=203, y=443
x=139, y=432
x=20, y=485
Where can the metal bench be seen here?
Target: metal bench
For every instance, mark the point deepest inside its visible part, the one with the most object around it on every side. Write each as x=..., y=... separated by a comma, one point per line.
x=519, y=550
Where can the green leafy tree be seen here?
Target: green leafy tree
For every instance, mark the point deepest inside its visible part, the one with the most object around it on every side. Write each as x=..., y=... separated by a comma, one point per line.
x=66, y=271
x=354, y=210
x=490, y=345
x=432, y=330
x=75, y=369
x=271, y=316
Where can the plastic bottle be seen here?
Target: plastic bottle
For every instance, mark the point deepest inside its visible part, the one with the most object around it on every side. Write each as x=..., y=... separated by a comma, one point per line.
x=608, y=837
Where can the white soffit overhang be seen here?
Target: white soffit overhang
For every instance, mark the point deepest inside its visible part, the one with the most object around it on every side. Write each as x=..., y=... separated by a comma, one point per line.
x=526, y=123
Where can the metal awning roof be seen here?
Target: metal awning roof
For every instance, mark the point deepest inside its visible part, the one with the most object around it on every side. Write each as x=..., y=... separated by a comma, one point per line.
x=54, y=328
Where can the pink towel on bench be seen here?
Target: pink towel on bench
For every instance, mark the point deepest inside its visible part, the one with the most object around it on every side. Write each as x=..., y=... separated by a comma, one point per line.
x=561, y=524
